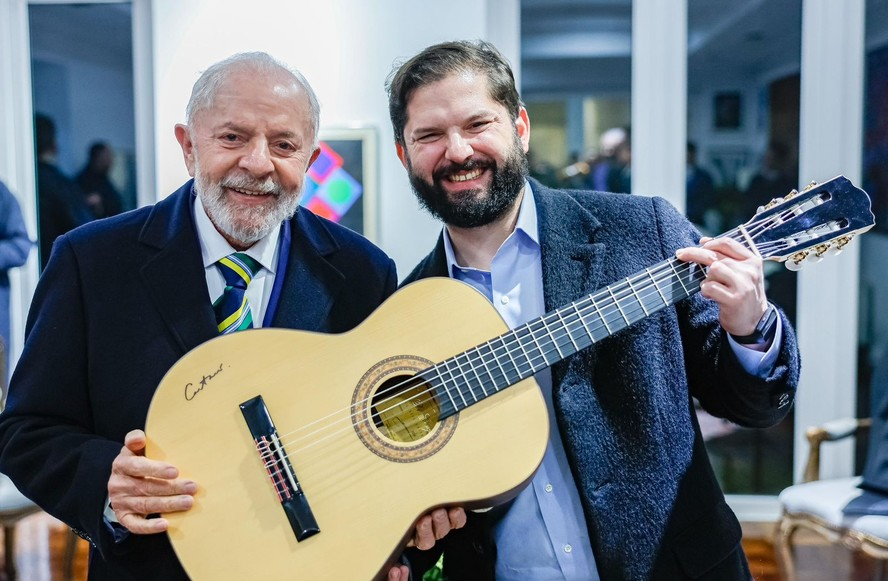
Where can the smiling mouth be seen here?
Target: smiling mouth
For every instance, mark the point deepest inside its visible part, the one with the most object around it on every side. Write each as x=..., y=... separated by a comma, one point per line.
x=249, y=192
x=464, y=177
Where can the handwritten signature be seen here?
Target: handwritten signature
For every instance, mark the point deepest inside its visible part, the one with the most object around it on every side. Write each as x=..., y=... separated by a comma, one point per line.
x=191, y=391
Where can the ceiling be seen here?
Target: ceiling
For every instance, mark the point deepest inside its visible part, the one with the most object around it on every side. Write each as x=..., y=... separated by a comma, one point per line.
x=584, y=46
x=567, y=46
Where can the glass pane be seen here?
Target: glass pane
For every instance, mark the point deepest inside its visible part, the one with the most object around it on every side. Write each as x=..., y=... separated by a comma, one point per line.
x=83, y=97
x=743, y=132
x=575, y=81
x=873, y=320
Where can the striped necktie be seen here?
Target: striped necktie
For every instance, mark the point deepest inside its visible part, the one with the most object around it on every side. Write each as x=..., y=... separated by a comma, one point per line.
x=232, y=309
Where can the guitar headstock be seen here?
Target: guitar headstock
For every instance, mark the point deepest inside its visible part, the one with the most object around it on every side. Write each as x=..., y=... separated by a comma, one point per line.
x=808, y=225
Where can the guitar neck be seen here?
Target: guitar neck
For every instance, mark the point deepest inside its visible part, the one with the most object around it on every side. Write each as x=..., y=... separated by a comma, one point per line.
x=486, y=369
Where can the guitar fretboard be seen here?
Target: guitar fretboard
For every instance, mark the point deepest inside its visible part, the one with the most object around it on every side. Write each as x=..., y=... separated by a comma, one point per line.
x=486, y=369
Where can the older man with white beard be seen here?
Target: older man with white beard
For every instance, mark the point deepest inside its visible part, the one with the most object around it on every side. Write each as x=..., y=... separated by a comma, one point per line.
x=122, y=299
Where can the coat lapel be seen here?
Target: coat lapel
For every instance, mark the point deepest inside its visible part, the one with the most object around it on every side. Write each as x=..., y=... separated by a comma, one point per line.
x=174, y=276
x=311, y=282
x=571, y=260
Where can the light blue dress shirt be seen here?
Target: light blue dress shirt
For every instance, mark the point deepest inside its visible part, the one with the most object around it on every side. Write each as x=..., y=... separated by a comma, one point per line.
x=544, y=535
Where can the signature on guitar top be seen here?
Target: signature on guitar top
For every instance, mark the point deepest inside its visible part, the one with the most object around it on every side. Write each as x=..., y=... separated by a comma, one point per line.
x=302, y=443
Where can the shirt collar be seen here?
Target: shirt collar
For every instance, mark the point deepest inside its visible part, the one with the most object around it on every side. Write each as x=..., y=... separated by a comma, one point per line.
x=214, y=247
x=526, y=224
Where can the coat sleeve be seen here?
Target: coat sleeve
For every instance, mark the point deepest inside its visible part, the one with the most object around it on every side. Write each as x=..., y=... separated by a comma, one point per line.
x=15, y=244
x=48, y=445
x=715, y=376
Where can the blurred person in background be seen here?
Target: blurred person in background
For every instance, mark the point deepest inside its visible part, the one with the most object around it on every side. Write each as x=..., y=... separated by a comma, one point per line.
x=61, y=205
x=15, y=245
x=102, y=197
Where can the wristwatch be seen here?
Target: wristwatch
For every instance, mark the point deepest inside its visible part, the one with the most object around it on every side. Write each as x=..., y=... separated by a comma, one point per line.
x=764, y=330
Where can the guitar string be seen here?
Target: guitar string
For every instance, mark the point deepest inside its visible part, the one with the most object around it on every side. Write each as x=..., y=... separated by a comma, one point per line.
x=573, y=319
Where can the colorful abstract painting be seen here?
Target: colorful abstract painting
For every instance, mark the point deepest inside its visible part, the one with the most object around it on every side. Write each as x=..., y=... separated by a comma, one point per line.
x=336, y=186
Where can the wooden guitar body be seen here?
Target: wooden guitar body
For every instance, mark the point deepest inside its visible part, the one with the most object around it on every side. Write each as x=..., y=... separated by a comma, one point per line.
x=364, y=489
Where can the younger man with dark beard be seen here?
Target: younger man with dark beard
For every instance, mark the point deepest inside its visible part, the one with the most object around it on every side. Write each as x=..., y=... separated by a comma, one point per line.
x=625, y=490
x=122, y=299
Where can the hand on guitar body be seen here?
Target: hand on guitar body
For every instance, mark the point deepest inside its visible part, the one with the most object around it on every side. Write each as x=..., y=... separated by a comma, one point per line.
x=140, y=487
x=735, y=280
x=430, y=528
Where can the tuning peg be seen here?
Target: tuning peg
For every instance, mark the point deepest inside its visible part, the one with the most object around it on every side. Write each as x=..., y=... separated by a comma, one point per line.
x=791, y=194
x=810, y=186
x=772, y=203
x=795, y=262
x=822, y=250
x=844, y=240
x=813, y=257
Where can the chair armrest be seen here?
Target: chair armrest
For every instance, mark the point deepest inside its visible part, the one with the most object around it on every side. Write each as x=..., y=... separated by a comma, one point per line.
x=829, y=432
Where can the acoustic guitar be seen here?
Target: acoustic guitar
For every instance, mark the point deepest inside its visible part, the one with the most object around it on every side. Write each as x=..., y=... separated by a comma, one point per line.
x=315, y=454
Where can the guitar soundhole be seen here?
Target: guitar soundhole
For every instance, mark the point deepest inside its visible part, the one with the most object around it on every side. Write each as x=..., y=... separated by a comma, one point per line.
x=395, y=414
x=404, y=408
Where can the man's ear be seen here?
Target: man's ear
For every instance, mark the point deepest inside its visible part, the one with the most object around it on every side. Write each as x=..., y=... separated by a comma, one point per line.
x=183, y=136
x=402, y=155
x=522, y=126
x=313, y=158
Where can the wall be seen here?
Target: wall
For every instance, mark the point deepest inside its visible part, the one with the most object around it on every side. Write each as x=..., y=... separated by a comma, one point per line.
x=345, y=48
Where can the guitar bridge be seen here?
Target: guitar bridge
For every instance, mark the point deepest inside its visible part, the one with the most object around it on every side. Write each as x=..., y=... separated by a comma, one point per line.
x=280, y=472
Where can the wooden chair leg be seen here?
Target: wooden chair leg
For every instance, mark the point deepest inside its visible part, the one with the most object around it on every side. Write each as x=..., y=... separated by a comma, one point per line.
x=9, y=552
x=783, y=549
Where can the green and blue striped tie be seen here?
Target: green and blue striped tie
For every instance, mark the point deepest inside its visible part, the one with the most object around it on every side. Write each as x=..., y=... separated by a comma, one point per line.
x=232, y=309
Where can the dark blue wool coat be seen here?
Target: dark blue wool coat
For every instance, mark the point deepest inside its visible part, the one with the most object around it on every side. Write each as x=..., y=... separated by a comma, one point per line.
x=624, y=406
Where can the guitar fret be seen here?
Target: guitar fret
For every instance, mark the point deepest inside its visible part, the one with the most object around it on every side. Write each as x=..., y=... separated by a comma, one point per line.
x=552, y=337
x=677, y=276
x=487, y=367
x=637, y=297
x=530, y=365
x=567, y=330
x=617, y=302
x=583, y=322
x=437, y=369
x=539, y=348
x=456, y=384
x=601, y=316
x=512, y=359
x=657, y=286
x=498, y=364
x=540, y=353
x=475, y=372
x=463, y=375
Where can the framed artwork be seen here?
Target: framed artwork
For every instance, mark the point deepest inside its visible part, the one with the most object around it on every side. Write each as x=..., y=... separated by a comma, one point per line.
x=727, y=108
x=341, y=184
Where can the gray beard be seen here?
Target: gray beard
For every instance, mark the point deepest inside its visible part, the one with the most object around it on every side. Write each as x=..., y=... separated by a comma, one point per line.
x=244, y=225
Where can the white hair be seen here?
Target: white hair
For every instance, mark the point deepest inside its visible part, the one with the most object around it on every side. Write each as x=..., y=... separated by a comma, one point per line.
x=206, y=86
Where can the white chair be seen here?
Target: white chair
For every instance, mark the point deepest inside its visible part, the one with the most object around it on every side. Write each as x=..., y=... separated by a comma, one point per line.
x=817, y=505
